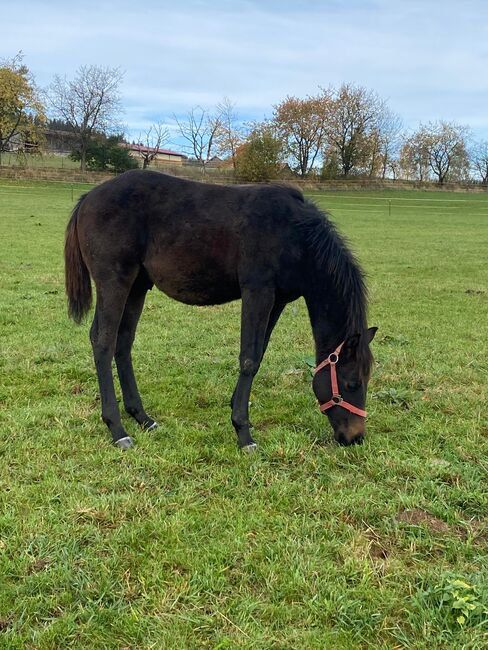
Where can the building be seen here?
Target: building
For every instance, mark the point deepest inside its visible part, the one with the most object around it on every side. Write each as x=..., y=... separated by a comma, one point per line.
x=162, y=157
x=60, y=143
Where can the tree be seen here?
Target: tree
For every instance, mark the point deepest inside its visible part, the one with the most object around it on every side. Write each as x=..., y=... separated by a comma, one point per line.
x=229, y=134
x=355, y=114
x=479, y=158
x=90, y=103
x=107, y=154
x=260, y=157
x=199, y=130
x=414, y=156
x=301, y=125
x=394, y=167
x=22, y=115
x=439, y=148
x=59, y=125
x=448, y=156
x=330, y=167
x=154, y=138
x=382, y=143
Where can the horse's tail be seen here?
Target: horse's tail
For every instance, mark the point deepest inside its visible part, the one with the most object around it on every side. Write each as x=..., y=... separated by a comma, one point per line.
x=77, y=277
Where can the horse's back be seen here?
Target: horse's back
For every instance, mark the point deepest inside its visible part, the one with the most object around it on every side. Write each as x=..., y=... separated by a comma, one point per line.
x=196, y=240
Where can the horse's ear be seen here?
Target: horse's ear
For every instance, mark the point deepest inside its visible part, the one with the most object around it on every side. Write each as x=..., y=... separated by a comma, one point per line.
x=352, y=342
x=370, y=333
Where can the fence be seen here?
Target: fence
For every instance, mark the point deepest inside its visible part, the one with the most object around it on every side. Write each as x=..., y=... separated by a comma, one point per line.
x=216, y=175
x=60, y=175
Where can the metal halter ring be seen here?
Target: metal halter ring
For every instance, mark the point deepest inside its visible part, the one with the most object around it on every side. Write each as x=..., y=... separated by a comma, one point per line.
x=333, y=358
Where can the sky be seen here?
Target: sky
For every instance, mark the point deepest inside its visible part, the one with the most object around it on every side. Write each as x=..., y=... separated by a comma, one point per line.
x=427, y=58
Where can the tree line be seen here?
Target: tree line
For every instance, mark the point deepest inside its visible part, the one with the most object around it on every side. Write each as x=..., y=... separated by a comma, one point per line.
x=343, y=132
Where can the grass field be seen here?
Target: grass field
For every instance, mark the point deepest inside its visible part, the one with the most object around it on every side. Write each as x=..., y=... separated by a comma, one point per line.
x=47, y=161
x=183, y=542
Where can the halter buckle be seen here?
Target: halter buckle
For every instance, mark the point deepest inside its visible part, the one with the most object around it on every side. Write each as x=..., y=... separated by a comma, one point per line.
x=337, y=399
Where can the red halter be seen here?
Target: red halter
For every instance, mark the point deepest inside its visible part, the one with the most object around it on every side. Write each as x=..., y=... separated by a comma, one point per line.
x=336, y=399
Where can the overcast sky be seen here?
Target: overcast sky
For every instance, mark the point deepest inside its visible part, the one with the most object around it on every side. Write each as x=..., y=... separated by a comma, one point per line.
x=427, y=58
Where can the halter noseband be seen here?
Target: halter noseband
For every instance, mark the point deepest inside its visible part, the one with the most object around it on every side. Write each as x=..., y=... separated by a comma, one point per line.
x=336, y=399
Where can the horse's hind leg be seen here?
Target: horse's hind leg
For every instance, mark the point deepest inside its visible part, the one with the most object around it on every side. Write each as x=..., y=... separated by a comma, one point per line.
x=111, y=298
x=123, y=359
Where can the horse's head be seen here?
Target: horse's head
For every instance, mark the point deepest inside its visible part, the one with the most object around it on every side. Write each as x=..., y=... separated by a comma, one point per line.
x=340, y=384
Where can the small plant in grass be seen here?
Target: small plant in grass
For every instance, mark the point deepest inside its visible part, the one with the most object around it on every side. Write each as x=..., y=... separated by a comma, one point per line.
x=463, y=600
x=398, y=396
x=310, y=363
x=394, y=339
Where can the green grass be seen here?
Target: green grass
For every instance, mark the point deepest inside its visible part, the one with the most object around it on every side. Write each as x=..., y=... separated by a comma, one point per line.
x=183, y=542
x=46, y=160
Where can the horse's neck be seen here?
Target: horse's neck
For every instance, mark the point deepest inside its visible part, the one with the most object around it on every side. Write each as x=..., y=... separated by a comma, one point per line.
x=328, y=320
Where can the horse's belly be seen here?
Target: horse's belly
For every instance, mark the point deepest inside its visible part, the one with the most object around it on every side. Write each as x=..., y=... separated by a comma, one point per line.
x=195, y=283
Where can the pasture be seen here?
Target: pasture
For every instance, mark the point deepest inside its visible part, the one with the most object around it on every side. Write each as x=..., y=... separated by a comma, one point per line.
x=186, y=543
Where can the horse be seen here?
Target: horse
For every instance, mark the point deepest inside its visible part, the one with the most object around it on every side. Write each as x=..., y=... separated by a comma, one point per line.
x=208, y=244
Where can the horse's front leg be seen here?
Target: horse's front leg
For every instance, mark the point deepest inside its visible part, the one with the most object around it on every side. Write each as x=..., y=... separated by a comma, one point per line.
x=257, y=305
x=273, y=319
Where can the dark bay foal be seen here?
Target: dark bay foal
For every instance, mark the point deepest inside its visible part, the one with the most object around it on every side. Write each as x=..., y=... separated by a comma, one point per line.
x=208, y=244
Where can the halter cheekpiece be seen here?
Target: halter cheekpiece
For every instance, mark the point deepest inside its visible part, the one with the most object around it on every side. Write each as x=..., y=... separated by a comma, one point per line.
x=336, y=399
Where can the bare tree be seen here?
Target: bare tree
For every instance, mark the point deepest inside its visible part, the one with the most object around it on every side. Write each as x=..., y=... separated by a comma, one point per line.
x=199, y=130
x=390, y=128
x=414, y=156
x=394, y=167
x=382, y=143
x=229, y=135
x=479, y=159
x=89, y=103
x=153, y=139
x=301, y=124
x=448, y=156
x=437, y=148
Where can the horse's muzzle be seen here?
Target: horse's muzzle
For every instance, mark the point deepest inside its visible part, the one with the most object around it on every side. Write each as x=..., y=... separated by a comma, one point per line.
x=350, y=438
x=346, y=442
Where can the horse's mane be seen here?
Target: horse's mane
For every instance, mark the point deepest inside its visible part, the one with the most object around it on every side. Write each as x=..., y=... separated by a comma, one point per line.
x=334, y=259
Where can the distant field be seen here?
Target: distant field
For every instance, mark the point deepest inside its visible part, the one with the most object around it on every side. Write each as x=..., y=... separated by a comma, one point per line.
x=183, y=542
x=47, y=161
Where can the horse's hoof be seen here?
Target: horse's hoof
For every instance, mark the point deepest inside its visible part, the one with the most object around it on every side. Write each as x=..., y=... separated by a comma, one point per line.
x=150, y=425
x=249, y=449
x=124, y=443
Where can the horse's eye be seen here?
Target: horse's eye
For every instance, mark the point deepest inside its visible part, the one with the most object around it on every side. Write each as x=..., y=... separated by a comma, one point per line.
x=353, y=385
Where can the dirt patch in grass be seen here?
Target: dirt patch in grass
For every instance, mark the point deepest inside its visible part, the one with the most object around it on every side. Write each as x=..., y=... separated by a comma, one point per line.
x=419, y=517
x=39, y=565
x=378, y=552
x=4, y=623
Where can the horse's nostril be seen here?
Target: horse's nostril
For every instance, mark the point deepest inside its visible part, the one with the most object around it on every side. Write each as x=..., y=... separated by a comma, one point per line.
x=345, y=440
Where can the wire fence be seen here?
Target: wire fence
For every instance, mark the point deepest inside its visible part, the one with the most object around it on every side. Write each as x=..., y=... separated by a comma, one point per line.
x=63, y=169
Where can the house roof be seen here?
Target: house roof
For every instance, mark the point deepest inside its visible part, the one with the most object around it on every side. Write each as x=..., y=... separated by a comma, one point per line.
x=143, y=149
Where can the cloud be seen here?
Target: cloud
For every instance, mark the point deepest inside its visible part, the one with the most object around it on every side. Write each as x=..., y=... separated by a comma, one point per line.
x=427, y=58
